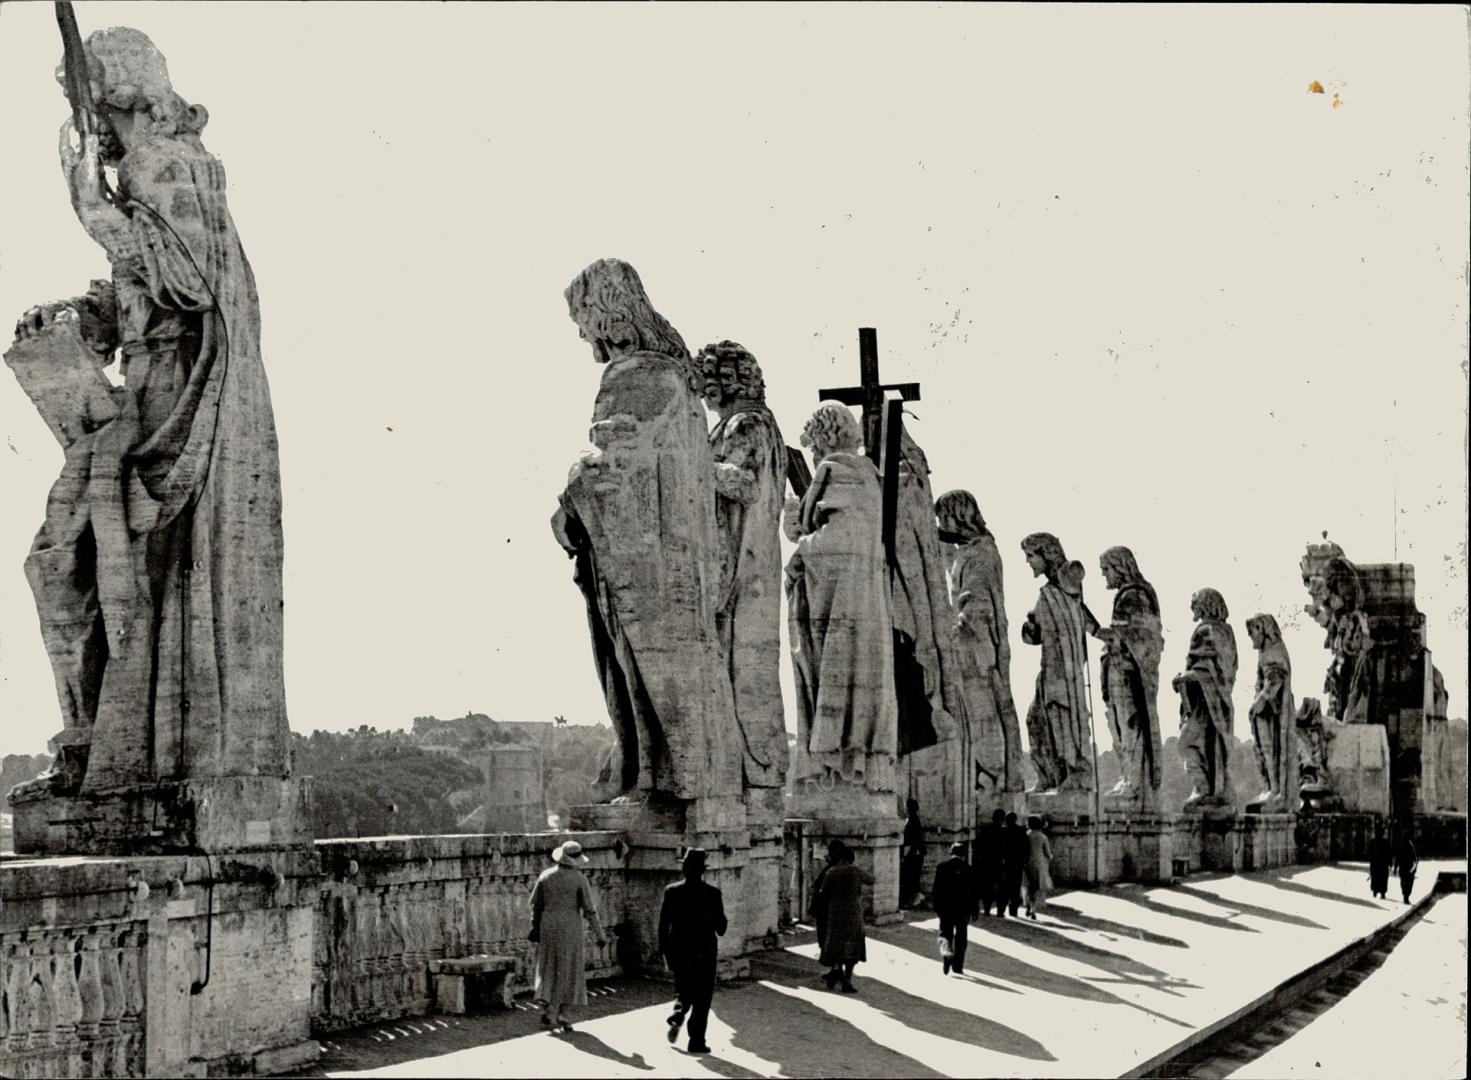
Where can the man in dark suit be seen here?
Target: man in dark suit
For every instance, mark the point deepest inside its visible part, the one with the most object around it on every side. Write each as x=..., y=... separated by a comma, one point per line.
x=691, y=918
x=954, y=901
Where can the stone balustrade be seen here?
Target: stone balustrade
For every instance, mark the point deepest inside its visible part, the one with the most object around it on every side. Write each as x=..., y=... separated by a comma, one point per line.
x=389, y=906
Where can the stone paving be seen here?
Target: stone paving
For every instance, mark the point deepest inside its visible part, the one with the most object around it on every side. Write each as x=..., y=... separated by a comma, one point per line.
x=1101, y=983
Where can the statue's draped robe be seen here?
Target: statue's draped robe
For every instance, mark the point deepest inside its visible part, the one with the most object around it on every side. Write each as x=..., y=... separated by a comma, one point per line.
x=1274, y=724
x=1058, y=719
x=1130, y=678
x=1205, y=706
x=750, y=476
x=975, y=592
x=641, y=512
x=921, y=605
x=157, y=573
x=841, y=630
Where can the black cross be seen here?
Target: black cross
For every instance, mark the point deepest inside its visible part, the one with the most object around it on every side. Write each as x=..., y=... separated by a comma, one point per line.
x=870, y=394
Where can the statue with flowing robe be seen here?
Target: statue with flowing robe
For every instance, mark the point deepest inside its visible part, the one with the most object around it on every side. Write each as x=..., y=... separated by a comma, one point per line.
x=750, y=475
x=978, y=606
x=840, y=621
x=1132, y=644
x=1273, y=718
x=929, y=681
x=157, y=570
x=638, y=518
x=1059, y=723
x=1205, y=700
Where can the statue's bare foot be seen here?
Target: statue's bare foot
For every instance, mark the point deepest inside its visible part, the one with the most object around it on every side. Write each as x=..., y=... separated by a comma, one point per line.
x=632, y=797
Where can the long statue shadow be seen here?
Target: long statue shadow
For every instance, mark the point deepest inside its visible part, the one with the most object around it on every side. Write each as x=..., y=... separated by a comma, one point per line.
x=999, y=965
x=917, y=1013
x=1076, y=918
x=1055, y=940
x=1281, y=879
x=1248, y=909
x=1143, y=900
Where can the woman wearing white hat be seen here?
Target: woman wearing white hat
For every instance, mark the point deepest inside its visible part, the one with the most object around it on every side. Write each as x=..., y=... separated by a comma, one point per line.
x=560, y=901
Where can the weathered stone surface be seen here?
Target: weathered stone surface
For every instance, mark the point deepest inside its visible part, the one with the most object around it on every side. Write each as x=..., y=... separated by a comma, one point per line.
x=840, y=622
x=750, y=476
x=1059, y=722
x=1205, y=700
x=638, y=517
x=1129, y=666
x=157, y=571
x=978, y=607
x=1273, y=718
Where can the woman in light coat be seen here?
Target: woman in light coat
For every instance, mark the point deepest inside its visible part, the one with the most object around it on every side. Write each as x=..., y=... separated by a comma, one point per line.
x=560, y=902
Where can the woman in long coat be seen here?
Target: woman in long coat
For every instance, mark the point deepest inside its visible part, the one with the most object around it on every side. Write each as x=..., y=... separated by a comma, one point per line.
x=1380, y=857
x=1039, y=872
x=560, y=901
x=837, y=903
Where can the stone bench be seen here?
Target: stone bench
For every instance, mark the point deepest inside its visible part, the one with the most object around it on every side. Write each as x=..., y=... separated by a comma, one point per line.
x=472, y=984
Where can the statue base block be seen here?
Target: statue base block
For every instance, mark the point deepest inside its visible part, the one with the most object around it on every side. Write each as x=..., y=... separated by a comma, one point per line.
x=1137, y=845
x=1267, y=840
x=875, y=846
x=656, y=834
x=218, y=813
x=1208, y=838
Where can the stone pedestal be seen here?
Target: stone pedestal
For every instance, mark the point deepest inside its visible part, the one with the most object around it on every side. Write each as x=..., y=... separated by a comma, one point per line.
x=1071, y=822
x=875, y=846
x=1268, y=840
x=656, y=834
x=1208, y=839
x=1137, y=845
x=228, y=813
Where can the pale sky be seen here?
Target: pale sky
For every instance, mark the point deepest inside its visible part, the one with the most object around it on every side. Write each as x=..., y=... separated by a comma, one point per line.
x=1156, y=294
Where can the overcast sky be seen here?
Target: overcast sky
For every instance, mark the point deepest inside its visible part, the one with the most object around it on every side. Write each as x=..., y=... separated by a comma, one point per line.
x=1155, y=291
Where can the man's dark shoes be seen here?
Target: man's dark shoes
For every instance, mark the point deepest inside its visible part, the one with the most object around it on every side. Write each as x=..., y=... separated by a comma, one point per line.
x=699, y=1048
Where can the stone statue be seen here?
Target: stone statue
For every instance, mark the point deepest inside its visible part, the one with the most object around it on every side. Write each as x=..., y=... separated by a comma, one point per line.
x=979, y=609
x=157, y=570
x=1273, y=718
x=922, y=615
x=750, y=477
x=1205, y=700
x=1315, y=782
x=839, y=616
x=638, y=516
x=1059, y=722
x=1132, y=643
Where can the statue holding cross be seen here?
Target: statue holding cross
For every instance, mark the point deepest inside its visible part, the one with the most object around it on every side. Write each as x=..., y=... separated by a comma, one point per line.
x=926, y=662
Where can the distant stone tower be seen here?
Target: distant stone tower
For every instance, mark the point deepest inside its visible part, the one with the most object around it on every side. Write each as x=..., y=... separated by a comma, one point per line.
x=515, y=797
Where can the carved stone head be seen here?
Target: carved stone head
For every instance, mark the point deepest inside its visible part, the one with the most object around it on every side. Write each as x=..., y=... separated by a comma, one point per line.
x=613, y=314
x=730, y=376
x=1209, y=606
x=1119, y=567
x=959, y=517
x=832, y=429
x=1045, y=555
x=129, y=75
x=1263, y=630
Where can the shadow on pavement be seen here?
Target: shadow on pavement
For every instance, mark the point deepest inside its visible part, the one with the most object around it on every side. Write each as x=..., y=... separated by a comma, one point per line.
x=591, y=1044
x=1144, y=900
x=1103, y=926
x=1282, y=879
x=1053, y=938
x=990, y=962
x=915, y=1013
x=1248, y=909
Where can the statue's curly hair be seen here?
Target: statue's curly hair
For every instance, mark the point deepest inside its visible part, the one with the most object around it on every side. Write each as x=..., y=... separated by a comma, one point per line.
x=1212, y=605
x=126, y=71
x=753, y=384
x=1054, y=559
x=832, y=428
x=622, y=316
x=958, y=512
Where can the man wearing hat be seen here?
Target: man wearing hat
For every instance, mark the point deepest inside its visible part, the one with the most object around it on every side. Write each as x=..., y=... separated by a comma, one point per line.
x=955, y=903
x=691, y=918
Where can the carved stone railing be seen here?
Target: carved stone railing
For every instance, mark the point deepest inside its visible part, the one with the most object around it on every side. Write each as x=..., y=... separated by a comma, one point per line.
x=73, y=996
x=389, y=906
